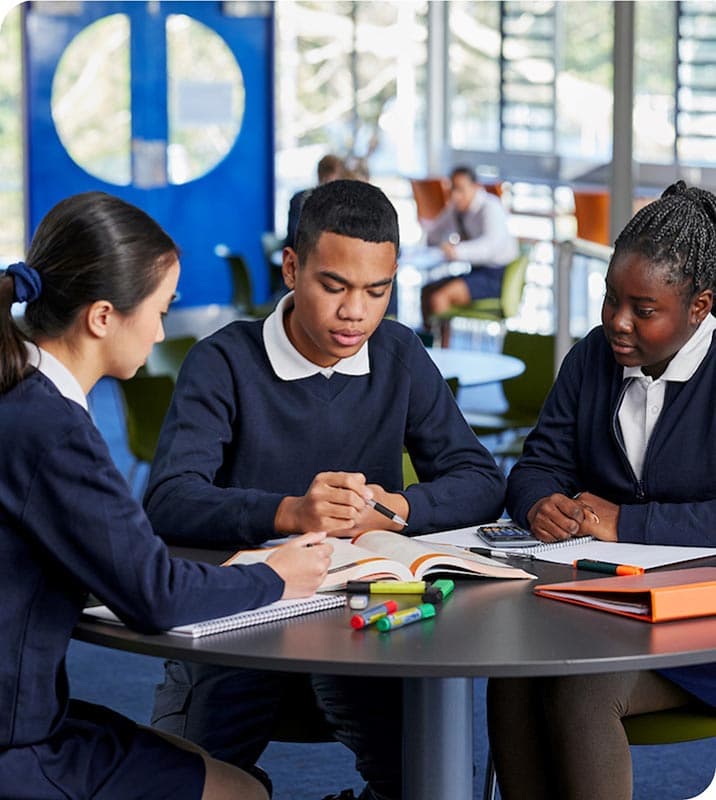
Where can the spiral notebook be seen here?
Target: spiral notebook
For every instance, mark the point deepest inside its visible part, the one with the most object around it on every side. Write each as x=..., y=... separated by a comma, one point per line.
x=569, y=550
x=281, y=609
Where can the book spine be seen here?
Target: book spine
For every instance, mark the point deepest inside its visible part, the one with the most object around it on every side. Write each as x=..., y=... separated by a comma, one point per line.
x=681, y=602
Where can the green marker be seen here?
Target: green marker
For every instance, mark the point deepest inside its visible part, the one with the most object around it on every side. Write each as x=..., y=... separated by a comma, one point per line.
x=438, y=590
x=405, y=617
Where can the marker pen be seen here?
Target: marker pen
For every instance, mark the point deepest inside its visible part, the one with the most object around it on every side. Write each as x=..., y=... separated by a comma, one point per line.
x=385, y=587
x=438, y=590
x=371, y=615
x=405, y=617
x=607, y=566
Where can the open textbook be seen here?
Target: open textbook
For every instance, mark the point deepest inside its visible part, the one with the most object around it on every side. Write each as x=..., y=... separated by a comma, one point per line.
x=373, y=555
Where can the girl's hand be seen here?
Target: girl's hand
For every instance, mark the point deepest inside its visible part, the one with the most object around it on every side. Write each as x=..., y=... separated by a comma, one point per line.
x=302, y=563
x=603, y=522
x=558, y=517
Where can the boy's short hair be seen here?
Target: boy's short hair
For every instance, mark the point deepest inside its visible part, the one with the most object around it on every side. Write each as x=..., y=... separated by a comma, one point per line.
x=348, y=208
x=463, y=169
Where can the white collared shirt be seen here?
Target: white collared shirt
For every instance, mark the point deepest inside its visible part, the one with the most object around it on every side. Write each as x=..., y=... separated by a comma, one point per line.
x=65, y=382
x=644, y=398
x=289, y=364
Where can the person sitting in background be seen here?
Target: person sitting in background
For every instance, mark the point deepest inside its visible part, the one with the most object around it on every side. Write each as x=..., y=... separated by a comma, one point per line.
x=99, y=277
x=293, y=424
x=329, y=168
x=624, y=451
x=472, y=227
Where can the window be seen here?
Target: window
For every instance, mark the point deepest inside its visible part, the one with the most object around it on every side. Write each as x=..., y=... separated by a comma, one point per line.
x=91, y=100
x=350, y=80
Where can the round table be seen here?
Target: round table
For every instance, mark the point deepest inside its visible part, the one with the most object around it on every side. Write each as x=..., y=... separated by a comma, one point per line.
x=475, y=367
x=485, y=628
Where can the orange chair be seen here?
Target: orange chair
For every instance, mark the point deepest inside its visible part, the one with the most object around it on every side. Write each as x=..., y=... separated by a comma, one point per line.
x=591, y=208
x=431, y=196
x=495, y=188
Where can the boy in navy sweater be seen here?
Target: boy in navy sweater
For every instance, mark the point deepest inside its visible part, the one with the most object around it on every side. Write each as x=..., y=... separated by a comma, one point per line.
x=292, y=424
x=624, y=450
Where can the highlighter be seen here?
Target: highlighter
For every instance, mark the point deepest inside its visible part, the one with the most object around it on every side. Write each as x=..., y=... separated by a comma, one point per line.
x=371, y=615
x=438, y=590
x=607, y=566
x=385, y=587
x=405, y=617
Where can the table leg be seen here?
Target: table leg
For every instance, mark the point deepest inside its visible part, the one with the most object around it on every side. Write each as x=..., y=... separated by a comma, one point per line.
x=437, y=738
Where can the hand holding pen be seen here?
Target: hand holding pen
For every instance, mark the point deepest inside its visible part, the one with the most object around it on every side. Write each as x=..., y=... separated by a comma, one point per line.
x=341, y=503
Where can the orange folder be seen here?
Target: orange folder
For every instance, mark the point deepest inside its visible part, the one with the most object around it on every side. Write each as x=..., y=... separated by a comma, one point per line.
x=653, y=597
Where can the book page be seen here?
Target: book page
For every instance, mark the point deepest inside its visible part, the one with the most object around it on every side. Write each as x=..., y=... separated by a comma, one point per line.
x=638, y=555
x=348, y=563
x=423, y=558
x=602, y=602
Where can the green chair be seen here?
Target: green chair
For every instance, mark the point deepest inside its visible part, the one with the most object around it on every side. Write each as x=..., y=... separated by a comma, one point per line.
x=659, y=727
x=145, y=399
x=167, y=356
x=410, y=476
x=242, y=290
x=272, y=243
x=492, y=309
x=526, y=393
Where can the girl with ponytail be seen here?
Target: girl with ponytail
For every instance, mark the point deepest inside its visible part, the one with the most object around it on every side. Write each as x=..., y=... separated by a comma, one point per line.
x=98, y=278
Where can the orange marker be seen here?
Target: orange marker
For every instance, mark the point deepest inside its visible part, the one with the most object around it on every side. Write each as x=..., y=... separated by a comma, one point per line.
x=607, y=566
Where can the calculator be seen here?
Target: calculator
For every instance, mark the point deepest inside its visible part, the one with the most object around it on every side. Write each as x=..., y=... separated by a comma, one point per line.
x=506, y=535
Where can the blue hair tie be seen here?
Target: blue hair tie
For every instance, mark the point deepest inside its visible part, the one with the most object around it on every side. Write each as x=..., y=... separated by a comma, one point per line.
x=28, y=283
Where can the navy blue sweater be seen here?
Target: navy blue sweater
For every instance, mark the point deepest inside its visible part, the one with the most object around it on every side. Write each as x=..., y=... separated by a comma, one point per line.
x=237, y=439
x=577, y=446
x=68, y=525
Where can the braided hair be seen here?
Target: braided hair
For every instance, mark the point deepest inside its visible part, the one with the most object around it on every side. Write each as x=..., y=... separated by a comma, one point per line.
x=677, y=233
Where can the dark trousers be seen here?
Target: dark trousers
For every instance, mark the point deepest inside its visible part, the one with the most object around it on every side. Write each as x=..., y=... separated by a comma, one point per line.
x=233, y=712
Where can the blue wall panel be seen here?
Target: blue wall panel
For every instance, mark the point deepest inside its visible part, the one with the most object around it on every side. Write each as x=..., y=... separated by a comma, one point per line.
x=232, y=204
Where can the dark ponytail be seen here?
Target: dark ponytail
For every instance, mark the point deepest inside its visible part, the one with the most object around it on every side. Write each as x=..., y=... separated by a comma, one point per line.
x=13, y=353
x=89, y=247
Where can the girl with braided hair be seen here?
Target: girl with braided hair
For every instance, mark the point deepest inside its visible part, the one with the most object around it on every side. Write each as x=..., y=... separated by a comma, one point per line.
x=632, y=400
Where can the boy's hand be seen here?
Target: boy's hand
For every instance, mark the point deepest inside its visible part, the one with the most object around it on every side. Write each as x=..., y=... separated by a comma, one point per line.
x=302, y=563
x=334, y=501
x=370, y=519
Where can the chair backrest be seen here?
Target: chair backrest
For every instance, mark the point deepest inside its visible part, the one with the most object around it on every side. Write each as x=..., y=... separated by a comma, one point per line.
x=166, y=357
x=526, y=393
x=146, y=399
x=591, y=208
x=270, y=244
x=431, y=196
x=242, y=296
x=513, y=284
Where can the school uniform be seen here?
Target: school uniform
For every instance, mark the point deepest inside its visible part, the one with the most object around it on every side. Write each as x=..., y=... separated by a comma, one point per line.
x=69, y=526
x=485, y=241
x=649, y=446
x=251, y=422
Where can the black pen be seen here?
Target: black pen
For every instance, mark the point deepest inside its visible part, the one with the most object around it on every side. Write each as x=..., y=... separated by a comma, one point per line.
x=485, y=551
x=386, y=512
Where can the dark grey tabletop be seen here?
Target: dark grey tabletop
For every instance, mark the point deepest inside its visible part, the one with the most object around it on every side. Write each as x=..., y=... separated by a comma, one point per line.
x=486, y=627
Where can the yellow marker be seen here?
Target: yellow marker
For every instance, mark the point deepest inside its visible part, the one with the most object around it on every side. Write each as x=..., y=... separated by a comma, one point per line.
x=385, y=587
